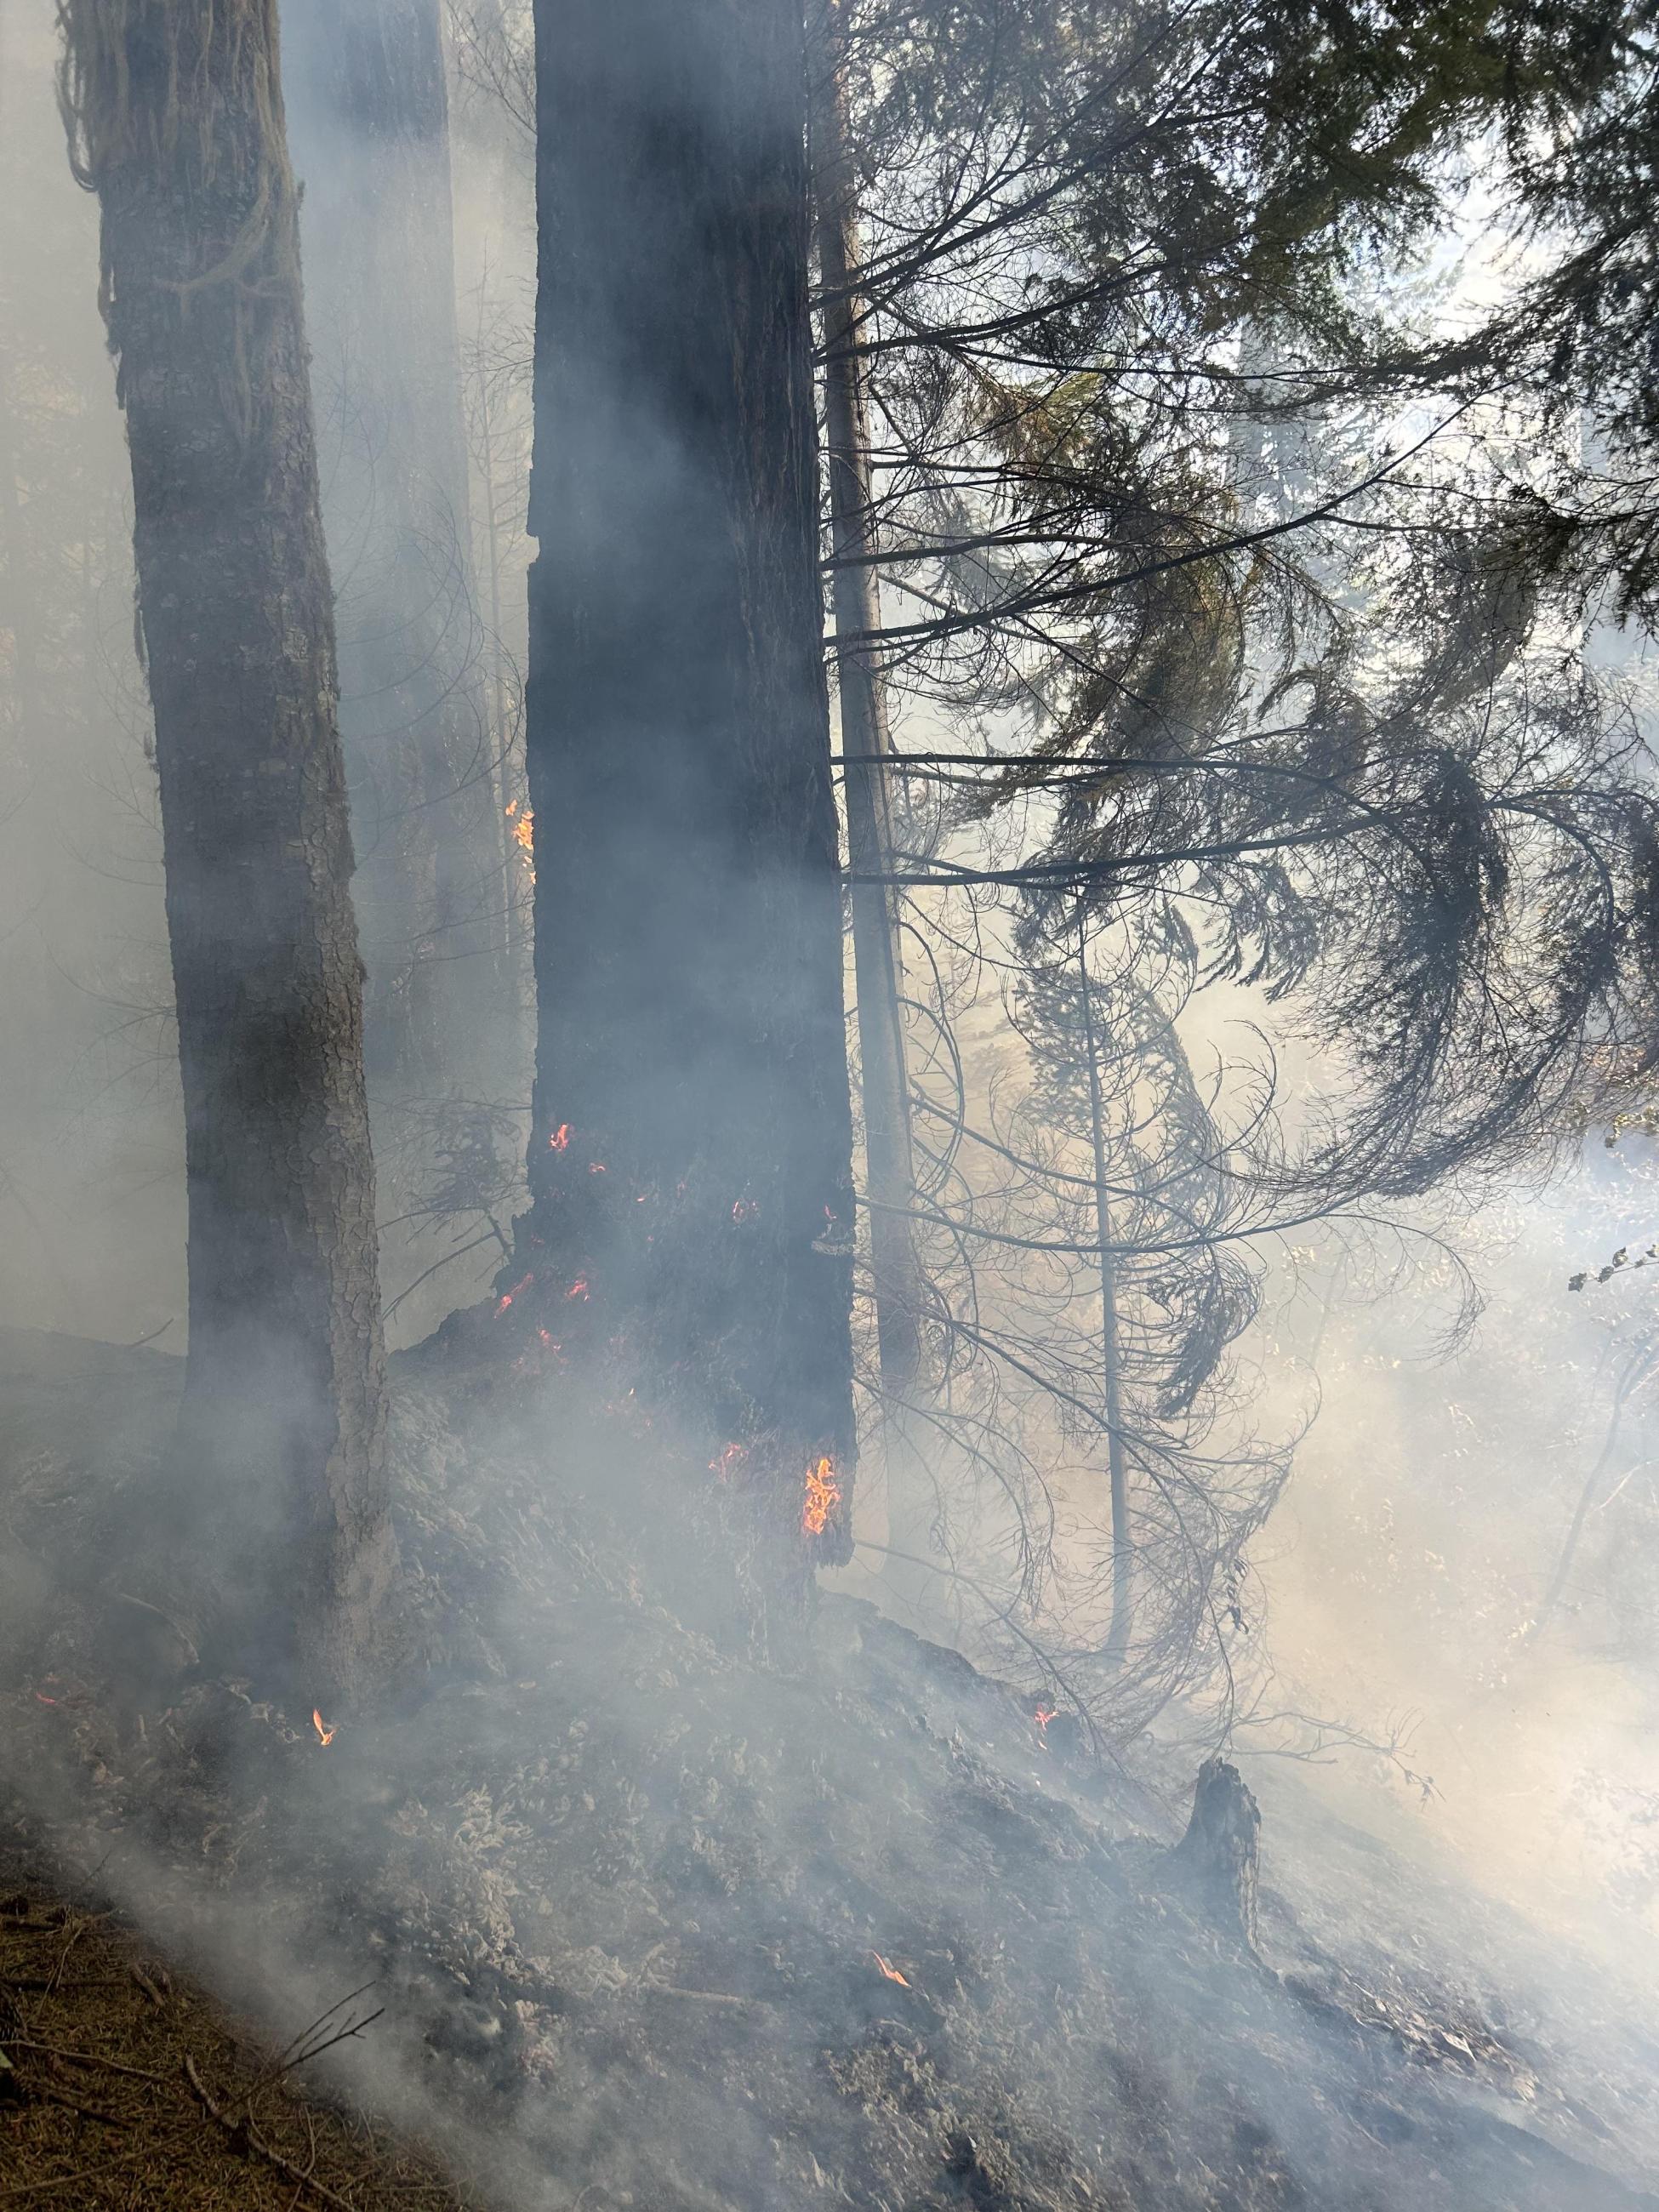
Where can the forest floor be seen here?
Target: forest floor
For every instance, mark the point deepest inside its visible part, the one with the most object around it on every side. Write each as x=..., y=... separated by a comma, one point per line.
x=653, y=1918
x=122, y=2086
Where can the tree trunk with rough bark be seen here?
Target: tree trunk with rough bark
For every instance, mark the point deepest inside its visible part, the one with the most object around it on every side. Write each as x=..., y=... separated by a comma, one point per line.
x=690, y=1157
x=1217, y=1861
x=177, y=122
x=878, y=957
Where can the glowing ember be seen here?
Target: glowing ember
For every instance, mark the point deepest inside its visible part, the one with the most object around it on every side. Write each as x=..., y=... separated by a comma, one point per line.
x=560, y=1138
x=823, y=1496
x=1042, y=1716
x=890, y=1970
x=44, y=1698
x=508, y=1296
x=325, y=1735
x=596, y=1167
x=578, y=1289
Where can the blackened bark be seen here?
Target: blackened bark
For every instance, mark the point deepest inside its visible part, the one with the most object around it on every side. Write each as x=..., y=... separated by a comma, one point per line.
x=688, y=924
x=1218, y=1857
x=176, y=118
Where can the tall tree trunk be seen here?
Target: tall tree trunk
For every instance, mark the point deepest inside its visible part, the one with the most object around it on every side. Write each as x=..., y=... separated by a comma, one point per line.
x=370, y=132
x=1638, y=1371
x=688, y=918
x=1111, y=1358
x=878, y=957
x=17, y=620
x=177, y=122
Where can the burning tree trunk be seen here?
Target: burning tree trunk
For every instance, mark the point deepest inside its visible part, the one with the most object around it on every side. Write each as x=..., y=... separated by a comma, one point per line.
x=369, y=129
x=865, y=747
x=691, y=1155
x=176, y=121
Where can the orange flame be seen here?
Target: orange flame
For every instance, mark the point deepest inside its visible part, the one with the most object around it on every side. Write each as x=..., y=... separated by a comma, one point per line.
x=1042, y=1716
x=890, y=1970
x=823, y=1496
x=325, y=1735
x=524, y=826
x=560, y=1137
x=578, y=1289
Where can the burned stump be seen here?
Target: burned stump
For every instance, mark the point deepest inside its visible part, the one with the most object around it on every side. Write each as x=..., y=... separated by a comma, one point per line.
x=1217, y=1859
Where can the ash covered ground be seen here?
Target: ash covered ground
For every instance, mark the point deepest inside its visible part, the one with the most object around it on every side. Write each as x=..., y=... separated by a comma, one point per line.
x=663, y=1915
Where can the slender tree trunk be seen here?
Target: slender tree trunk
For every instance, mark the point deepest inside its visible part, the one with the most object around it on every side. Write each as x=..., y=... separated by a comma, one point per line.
x=687, y=916
x=512, y=853
x=370, y=117
x=177, y=122
x=1111, y=1358
x=16, y=610
x=1636, y=1372
x=877, y=946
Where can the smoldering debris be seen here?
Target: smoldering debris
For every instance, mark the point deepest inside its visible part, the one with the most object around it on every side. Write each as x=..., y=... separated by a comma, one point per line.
x=653, y=1917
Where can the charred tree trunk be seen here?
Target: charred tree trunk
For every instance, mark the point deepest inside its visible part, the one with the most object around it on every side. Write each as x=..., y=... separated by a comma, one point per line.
x=1218, y=1860
x=177, y=122
x=370, y=134
x=877, y=956
x=688, y=919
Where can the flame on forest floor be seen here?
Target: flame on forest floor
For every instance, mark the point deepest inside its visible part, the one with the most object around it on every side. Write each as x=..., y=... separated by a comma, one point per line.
x=1042, y=1716
x=560, y=1140
x=508, y=1296
x=523, y=819
x=823, y=1496
x=890, y=1970
x=325, y=1734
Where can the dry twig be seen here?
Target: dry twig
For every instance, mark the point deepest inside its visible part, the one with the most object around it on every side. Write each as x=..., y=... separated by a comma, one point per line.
x=243, y=2133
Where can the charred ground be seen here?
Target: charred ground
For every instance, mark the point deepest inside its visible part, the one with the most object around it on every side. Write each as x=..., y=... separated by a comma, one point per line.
x=660, y=1917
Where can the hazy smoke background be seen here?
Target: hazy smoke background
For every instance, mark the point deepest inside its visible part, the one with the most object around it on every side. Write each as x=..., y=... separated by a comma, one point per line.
x=1400, y=1581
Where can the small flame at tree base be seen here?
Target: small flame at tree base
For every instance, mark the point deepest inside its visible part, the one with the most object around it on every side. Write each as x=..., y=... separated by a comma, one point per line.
x=890, y=1970
x=325, y=1734
x=823, y=1496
